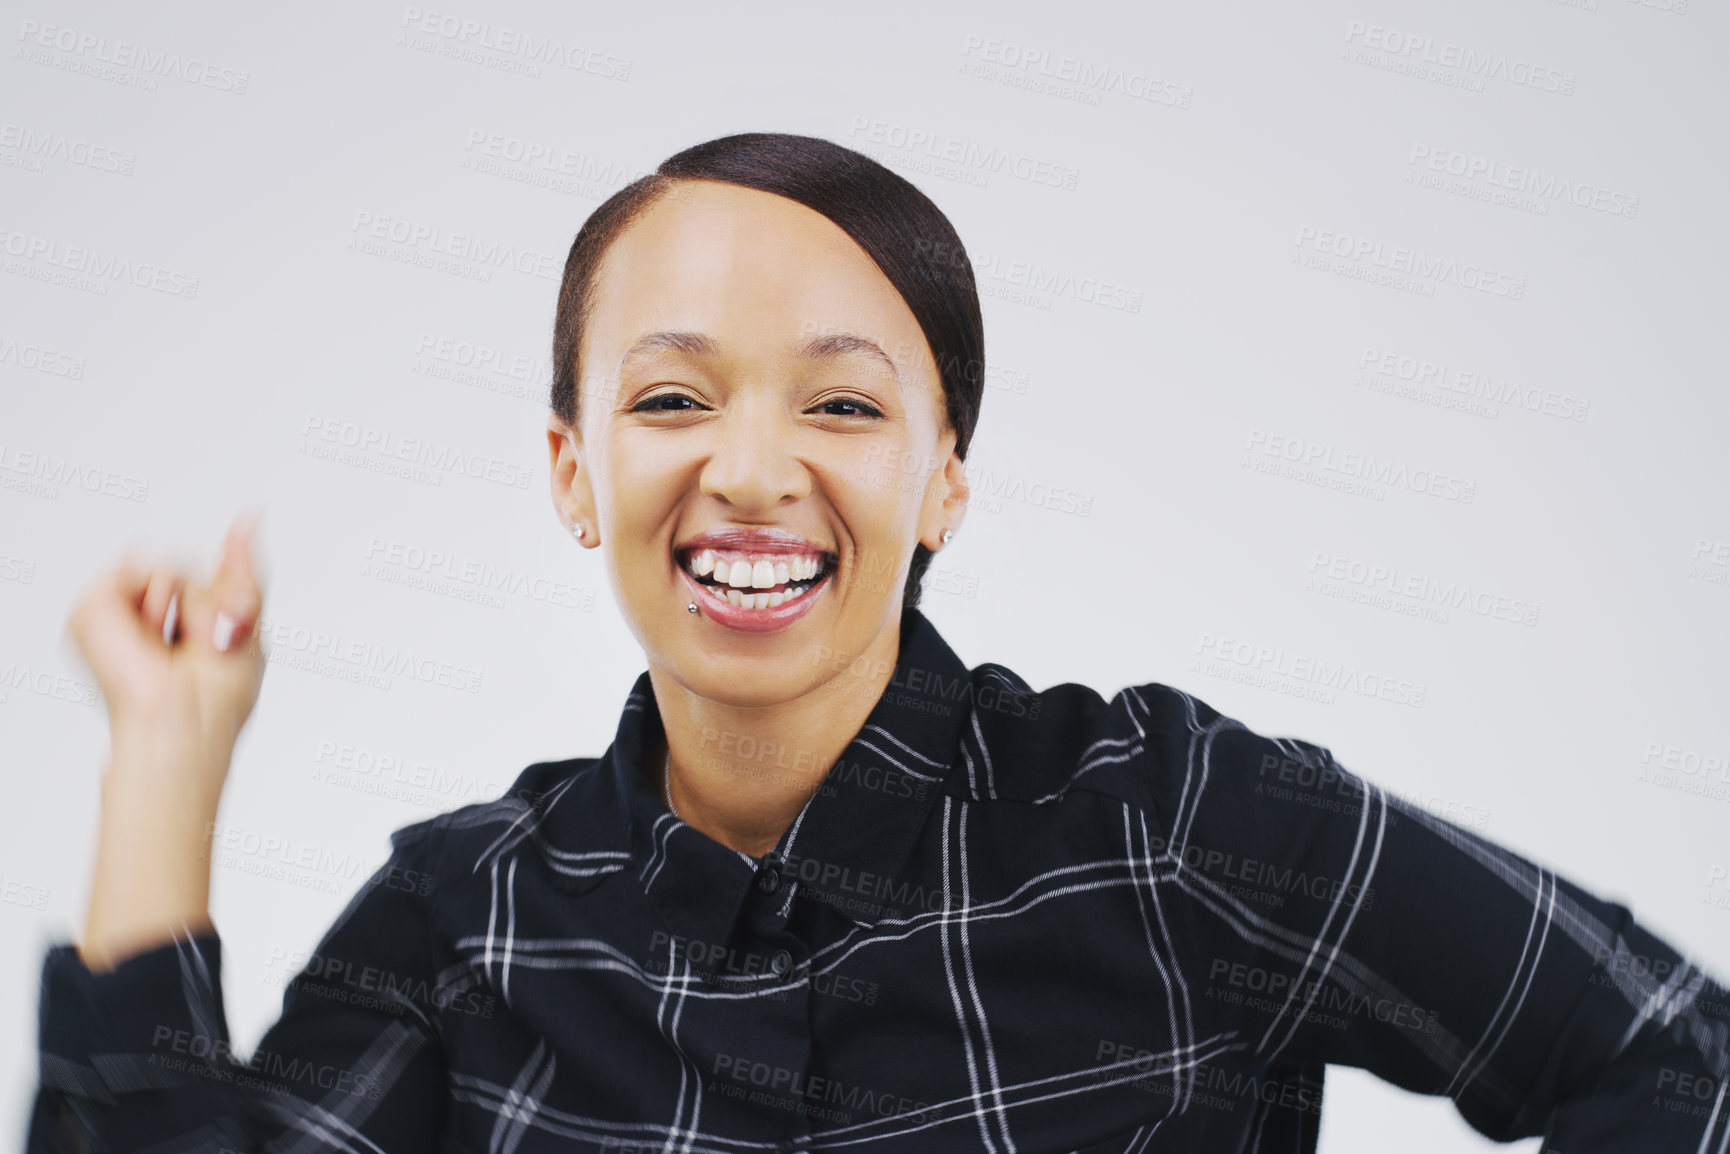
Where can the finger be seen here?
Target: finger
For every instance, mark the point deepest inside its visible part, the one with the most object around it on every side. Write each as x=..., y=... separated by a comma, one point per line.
x=114, y=605
x=234, y=568
x=128, y=579
x=160, y=607
x=122, y=586
x=197, y=612
x=206, y=621
x=236, y=589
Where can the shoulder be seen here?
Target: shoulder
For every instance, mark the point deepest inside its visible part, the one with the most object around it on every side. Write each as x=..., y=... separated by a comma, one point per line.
x=438, y=844
x=1143, y=743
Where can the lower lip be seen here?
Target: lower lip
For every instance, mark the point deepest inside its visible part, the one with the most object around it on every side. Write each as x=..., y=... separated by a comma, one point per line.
x=753, y=620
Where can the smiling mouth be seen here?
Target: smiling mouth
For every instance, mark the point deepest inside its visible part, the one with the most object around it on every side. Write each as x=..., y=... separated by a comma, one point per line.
x=755, y=580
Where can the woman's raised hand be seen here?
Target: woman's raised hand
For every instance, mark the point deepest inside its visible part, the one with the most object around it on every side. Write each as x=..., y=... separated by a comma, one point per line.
x=180, y=662
x=177, y=657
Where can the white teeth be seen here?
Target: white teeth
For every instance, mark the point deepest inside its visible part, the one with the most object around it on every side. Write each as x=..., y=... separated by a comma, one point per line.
x=738, y=600
x=733, y=580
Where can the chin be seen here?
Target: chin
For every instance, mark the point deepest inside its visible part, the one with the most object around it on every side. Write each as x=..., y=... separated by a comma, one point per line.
x=743, y=683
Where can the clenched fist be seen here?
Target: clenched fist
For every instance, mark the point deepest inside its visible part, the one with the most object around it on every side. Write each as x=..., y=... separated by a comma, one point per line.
x=178, y=659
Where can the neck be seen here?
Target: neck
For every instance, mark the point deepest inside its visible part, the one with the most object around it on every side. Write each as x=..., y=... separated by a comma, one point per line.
x=741, y=774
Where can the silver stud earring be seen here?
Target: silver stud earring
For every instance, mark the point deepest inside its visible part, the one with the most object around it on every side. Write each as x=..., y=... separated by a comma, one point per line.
x=577, y=531
x=948, y=535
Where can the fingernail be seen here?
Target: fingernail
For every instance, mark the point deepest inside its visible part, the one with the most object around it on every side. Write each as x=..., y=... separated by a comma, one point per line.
x=170, y=619
x=223, y=634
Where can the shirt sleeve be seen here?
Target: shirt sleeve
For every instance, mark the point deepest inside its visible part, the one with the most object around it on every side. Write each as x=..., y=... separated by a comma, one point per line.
x=138, y=1057
x=1339, y=924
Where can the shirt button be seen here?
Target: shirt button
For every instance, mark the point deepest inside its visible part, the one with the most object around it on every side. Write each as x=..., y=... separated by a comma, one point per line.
x=780, y=962
x=769, y=876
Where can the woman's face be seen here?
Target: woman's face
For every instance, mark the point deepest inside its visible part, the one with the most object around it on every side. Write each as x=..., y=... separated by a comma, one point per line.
x=741, y=444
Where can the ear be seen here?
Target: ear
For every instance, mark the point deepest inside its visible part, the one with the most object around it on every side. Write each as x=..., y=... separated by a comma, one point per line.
x=946, y=495
x=573, y=496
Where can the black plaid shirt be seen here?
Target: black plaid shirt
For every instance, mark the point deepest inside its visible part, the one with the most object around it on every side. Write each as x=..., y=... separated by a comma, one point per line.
x=1009, y=921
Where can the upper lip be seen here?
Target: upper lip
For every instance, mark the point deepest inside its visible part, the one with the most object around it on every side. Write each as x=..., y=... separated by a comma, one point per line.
x=756, y=540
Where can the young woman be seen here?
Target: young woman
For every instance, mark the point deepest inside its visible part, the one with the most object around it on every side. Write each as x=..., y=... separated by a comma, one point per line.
x=829, y=888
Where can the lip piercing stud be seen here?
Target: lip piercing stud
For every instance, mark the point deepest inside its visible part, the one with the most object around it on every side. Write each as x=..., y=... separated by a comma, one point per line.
x=690, y=607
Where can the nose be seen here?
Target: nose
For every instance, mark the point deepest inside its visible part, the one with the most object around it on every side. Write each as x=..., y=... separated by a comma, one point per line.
x=753, y=465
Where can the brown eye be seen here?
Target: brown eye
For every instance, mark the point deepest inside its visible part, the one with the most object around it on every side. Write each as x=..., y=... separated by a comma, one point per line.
x=860, y=408
x=657, y=404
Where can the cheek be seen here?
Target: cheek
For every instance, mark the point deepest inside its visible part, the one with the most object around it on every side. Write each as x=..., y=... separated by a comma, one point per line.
x=877, y=489
x=879, y=505
x=635, y=481
x=887, y=472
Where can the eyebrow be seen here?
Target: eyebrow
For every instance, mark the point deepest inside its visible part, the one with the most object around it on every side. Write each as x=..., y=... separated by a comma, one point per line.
x=817, y=348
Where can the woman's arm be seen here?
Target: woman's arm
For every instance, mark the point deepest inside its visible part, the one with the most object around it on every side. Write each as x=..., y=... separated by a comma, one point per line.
x=160, y=794
x=1341, y=925
x=139, y=1055
x=134, y=1049
x=180, y=666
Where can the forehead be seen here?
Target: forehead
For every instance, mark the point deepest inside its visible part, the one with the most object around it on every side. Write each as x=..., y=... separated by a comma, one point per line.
x=759, y=273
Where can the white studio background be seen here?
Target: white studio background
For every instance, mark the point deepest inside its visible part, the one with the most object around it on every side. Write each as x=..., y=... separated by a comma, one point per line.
x=1384, y=337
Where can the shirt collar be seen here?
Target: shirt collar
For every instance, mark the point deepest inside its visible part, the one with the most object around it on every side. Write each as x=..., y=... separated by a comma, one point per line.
x=845, y=847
